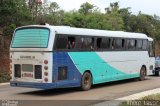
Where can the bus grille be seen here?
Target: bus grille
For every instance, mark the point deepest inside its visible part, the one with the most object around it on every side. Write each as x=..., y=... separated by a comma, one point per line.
x=38, y=72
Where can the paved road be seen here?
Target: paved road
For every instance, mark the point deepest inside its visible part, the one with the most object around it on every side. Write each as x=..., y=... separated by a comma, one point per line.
x=61, y=97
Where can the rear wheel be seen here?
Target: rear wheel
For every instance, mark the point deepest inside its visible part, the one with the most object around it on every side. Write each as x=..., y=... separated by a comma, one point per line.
x=142, y=73
x=86, y=81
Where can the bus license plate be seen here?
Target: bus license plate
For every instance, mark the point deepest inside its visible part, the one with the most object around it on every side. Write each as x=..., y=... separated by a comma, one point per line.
x=28, y=75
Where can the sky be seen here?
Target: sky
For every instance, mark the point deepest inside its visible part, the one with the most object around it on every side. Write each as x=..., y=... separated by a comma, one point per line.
x=150, y=7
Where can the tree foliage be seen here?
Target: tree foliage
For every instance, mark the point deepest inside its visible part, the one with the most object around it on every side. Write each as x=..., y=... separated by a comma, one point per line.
x=13, y=12
x=24, y=12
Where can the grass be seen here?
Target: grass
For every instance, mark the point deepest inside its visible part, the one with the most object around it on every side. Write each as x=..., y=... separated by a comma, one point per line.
x=150, y=100
x=4, y=76
x=152, y=97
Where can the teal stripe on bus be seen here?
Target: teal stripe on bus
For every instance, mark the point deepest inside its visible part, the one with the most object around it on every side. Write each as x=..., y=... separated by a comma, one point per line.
x=101, y=71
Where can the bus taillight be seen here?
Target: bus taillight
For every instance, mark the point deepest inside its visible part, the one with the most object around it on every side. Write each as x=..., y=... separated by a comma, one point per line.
x=46, y=67
x=46, y=79
x=46, y=73
x=45, y=61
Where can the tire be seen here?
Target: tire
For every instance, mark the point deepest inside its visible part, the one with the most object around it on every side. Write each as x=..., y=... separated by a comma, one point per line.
x=157, y=73
x=142, y=74
x=86, y=81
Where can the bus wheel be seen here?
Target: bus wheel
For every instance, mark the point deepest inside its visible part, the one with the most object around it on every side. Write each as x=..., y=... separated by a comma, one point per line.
x=157, y=73
x=86, y=81
x=142, y=74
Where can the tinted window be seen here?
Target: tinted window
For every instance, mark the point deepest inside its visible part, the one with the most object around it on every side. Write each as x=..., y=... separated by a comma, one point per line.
x=99, y=41
x=106, y=43
x=103, y=43
x=145, y=44
x=65, y=42
x=131, y=44
x=139, y=44
x=118, y=43
x=123, y=43
x=127, y=43
x=31, y=38
x=151, y=49
x=88, y=43
x=85, y=43
x=71, y=42
x=61, y=42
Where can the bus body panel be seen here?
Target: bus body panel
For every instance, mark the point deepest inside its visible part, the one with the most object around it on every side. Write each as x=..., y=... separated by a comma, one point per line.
x=31, y=58
x=66, y=68
x=107, y=66
x=104, y=67
x=150, y=65
x=58, y=60
x=65, y=72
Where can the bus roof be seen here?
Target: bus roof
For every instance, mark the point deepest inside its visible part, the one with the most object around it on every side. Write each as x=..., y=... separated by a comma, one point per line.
x=95, y=32
x=67, y=30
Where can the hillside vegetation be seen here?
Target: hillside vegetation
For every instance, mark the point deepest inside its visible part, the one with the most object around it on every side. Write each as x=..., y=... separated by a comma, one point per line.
x=14, y=13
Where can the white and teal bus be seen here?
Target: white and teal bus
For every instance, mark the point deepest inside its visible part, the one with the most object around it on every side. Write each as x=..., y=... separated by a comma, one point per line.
x=47, y=57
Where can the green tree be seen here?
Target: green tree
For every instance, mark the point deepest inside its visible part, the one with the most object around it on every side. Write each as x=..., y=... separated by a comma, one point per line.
x=8, y=30
x=86, y=8
x=54, y=14
x=113, y=18
x=13, y=11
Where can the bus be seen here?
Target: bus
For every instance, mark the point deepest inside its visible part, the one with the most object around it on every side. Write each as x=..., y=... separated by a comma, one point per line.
x=47, y=57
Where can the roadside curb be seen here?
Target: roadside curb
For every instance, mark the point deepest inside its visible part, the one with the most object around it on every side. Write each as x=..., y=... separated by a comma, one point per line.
x=140, y=95
x=135, y=96
x=6, y=83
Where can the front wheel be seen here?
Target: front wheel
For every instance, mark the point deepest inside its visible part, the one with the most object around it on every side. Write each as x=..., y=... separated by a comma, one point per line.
x=157, y=73
x=86, y=81
x=142, y=73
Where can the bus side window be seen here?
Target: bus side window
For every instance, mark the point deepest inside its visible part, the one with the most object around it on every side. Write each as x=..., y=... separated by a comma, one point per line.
x=103, y=43
x=71, y=43
x=106, y=43
x=145, y=44
x=132, y=44
x=88, y=43
x=118, y=43
x=61, y=42
x=127, y=43
x=113, y=44
x=79, y=43
x=151, y=49
x=123, y=43
x=99, y=41
x=139, y=44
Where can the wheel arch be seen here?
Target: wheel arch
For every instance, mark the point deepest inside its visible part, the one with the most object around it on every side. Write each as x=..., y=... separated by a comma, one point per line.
x=145, y=68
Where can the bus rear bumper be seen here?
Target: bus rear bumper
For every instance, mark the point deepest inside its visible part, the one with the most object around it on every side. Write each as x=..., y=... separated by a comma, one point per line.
x=33, y=85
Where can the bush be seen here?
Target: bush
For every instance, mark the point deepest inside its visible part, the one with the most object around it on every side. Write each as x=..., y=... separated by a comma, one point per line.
x=4, y=76
x=8, y=30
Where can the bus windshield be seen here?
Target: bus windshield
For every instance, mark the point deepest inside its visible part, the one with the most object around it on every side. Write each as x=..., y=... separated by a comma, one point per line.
x=31, y=38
